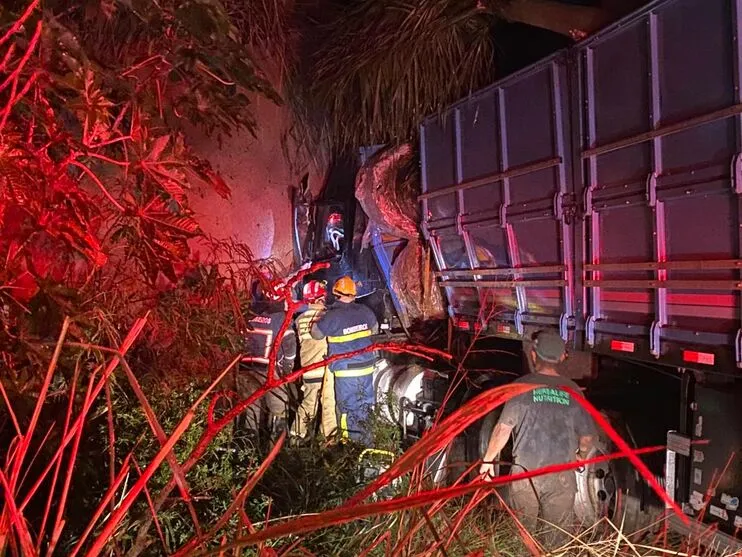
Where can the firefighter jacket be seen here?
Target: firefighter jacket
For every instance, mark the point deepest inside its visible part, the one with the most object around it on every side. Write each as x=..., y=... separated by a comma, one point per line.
x=310, y=349
x=348, y=327
x=259, y=340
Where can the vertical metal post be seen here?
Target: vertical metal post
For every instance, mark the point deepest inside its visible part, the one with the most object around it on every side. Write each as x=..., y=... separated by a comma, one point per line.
x=459, y=171
x=658, y=207
x=592, y=182
x=566, y=231
x=432, y=239
x=424, y=182
x=461, y=208
x=736, y=170
x=513, y=252
x=670, y=476
x=685, y=424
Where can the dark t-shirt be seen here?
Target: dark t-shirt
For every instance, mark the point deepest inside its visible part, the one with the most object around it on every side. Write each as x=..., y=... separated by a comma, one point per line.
x=547, y=423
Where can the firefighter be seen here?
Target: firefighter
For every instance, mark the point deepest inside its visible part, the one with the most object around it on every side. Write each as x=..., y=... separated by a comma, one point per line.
x=548, y=427
x=263, y=328
x=318, y=383
x=348, y=326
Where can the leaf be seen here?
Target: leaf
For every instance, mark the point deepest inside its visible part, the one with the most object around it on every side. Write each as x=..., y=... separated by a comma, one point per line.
x=183, y=223
x=158, y=146
x=23, y=287
x=174, y=190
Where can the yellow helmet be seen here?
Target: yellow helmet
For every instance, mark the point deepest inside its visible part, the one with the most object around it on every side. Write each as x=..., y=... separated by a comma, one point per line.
x=344, y=286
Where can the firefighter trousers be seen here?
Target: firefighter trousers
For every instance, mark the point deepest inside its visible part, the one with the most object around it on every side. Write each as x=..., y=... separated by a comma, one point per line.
x=354, y=398
x=275, y=403
x=316, y=394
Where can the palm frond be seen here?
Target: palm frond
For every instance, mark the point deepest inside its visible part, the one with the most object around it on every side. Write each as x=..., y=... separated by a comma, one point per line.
x=265, y=26
x=375, y=68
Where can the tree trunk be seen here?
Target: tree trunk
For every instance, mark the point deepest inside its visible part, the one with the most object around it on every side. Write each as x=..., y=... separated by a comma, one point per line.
x=566, y=19
x=574, y=21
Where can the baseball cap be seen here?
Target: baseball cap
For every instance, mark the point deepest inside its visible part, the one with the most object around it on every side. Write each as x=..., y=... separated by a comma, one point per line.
x=548, y=346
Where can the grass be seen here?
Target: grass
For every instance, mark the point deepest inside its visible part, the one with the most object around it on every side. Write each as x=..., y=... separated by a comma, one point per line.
x=117, y=491
x=122, y=467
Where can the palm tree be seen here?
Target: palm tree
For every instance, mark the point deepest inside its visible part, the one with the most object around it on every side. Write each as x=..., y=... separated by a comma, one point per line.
x=370, y=70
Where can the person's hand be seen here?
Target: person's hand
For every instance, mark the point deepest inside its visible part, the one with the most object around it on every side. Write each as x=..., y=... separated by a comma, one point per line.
x=487, y=471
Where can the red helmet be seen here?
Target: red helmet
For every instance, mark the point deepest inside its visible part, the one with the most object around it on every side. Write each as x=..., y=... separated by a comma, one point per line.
x=314, y=290
x=335, y=219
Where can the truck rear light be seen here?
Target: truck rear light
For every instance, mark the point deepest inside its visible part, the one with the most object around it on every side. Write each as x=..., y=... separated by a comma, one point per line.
x=704, y=358
x=505, y=329
x=461, y=323
x=622, y=346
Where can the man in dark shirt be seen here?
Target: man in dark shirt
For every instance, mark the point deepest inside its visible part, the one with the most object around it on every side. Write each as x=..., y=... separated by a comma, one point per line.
x=348, y=327
x=548, y=427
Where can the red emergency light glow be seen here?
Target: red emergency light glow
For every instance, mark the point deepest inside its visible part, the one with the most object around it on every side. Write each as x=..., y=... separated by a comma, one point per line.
x=622, y=346
x=704, y=358
x=461, y=323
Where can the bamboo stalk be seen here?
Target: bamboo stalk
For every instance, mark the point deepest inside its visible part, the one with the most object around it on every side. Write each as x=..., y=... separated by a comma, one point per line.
x=111, y=524
x=26, y=439
x=197, y=541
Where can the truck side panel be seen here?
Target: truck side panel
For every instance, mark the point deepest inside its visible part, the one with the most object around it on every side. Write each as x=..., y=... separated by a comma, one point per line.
x=618, y=160
x=496, y=173
x=660, y=134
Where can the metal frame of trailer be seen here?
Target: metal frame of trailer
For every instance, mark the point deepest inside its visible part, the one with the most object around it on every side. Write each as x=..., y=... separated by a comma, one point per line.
x=599, y=192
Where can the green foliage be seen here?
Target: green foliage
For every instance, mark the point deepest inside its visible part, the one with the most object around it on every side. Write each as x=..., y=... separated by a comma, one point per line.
x=214, y=480
x=94, y=176
x=186, y=57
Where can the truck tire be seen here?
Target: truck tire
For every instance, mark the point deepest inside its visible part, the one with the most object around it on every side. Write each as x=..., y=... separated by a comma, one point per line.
x=633, y=507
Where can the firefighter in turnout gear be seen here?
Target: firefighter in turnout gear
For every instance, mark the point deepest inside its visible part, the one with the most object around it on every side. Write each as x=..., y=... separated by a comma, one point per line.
x=348, y=327
x=317, y=384
x=263, y=329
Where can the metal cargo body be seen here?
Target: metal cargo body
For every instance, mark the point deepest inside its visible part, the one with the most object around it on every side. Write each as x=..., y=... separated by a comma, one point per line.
x=496, y=171
x=599, y=191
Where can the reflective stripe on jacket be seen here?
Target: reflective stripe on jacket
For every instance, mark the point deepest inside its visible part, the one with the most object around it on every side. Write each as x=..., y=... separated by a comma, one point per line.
x=259, y=341
x=348, y=327
x=311, y=350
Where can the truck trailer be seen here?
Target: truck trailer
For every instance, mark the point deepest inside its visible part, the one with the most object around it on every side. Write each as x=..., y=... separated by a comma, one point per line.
x=599, y=193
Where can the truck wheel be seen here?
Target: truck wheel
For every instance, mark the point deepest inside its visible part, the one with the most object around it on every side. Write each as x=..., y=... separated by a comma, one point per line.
x=447, y=466
x=614, y=488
